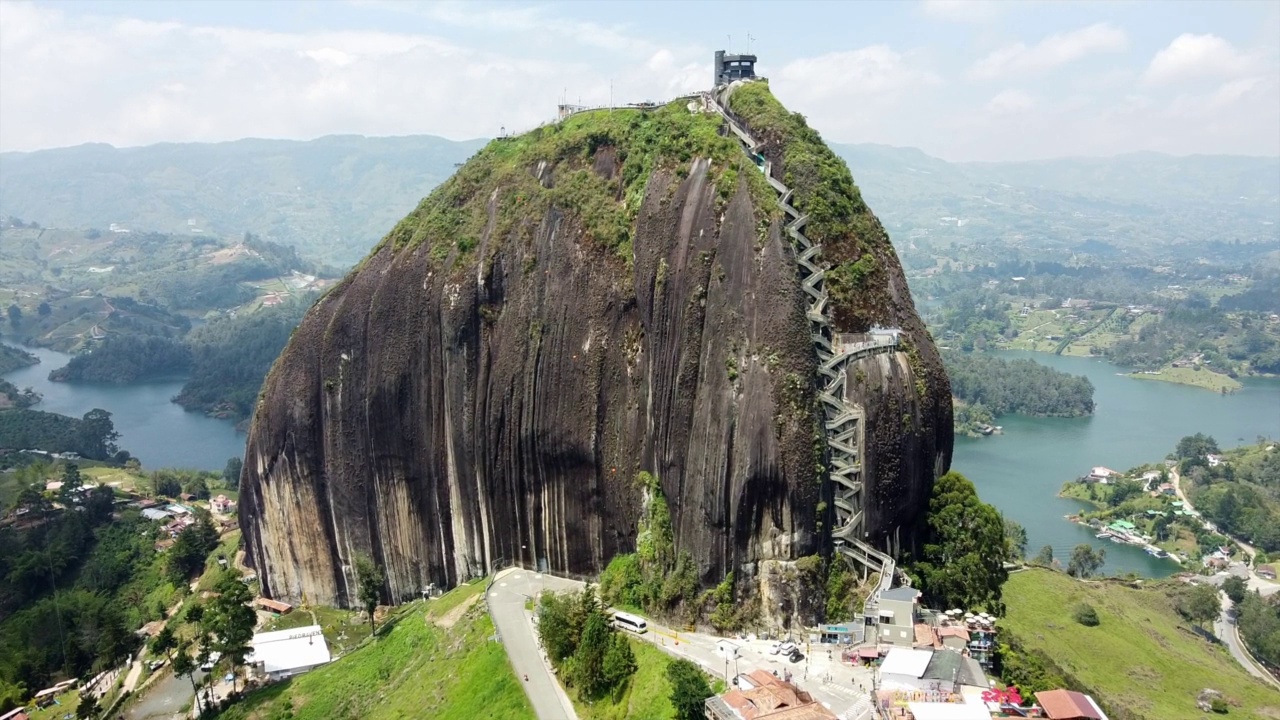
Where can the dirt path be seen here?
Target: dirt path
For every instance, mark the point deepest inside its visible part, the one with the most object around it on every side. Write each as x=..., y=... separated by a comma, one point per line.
x=453, y=616
x=131, y=680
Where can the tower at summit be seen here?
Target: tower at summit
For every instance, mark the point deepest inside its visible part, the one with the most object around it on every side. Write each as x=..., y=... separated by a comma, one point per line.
x=733, y=67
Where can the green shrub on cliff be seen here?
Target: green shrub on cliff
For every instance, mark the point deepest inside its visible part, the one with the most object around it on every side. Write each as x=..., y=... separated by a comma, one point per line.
x=655, y=578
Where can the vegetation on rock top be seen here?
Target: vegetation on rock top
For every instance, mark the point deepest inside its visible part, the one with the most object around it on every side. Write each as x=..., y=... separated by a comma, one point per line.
x=594, y=164
x=853, y=241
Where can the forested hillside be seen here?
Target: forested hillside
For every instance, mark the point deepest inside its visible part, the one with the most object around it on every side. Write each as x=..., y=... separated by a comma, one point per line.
x=1016, y=386
x=231, y=356
x=12, y=358
x=331, y=198
x=124, y=360
x=1241, y=494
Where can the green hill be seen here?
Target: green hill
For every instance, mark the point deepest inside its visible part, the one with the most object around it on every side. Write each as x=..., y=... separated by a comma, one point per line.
x=334, y=197
x=1142, y=661
x=438, y=661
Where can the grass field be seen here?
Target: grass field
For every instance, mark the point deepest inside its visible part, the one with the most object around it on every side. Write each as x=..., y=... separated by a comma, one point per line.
x=1142, y=661
x=415, y=669
x=646, y=697
x=1206, y=379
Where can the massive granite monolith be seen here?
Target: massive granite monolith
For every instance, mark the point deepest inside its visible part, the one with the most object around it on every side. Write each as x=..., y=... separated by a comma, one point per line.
x=603, y=296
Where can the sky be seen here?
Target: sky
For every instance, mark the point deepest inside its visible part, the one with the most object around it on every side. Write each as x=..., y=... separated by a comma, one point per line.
x=982, y=80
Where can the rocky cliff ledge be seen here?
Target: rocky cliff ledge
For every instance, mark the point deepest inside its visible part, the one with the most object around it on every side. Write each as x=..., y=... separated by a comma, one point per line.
x=595, y=298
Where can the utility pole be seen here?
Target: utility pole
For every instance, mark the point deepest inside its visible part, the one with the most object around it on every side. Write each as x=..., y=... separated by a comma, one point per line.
x=749, y=39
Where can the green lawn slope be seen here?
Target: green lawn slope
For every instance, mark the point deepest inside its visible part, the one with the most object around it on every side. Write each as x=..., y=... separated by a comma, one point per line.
x=438, y=661
x=1142, y=662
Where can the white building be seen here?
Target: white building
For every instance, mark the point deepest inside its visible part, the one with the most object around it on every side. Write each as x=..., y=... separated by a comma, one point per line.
x=285, y=653
x=903, y=669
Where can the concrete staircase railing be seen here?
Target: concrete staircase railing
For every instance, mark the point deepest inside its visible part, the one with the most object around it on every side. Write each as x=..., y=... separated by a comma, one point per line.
x=844, y=421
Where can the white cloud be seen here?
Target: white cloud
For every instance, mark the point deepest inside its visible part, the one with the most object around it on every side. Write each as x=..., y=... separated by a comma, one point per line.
x=877, y=70
x=962, y=11
x=69, y=78
x=1010, y=102
x=1055, y=50
x=150, y=82
x=1198, y=56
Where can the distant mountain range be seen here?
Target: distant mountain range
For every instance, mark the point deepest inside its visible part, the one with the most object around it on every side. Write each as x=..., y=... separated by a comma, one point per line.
x=1128, y=201
x=334, y=197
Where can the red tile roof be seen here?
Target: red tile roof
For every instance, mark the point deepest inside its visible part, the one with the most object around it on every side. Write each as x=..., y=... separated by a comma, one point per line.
x=1067, y=705
x=774, y=699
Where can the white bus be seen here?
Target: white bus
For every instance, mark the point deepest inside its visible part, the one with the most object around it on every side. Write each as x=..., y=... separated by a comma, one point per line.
x=629, y=622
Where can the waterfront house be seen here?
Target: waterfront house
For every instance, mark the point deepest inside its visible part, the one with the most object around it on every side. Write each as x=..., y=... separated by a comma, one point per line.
x=1103, y=475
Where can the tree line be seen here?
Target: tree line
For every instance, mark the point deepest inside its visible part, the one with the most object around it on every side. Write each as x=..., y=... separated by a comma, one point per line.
x=999, y=386
x=92, y=436
x=78, y=576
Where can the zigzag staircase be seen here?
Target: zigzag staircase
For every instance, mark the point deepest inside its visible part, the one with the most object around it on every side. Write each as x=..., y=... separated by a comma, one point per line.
x=844, y=421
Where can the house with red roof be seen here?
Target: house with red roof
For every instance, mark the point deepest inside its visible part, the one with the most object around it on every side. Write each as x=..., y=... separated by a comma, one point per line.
x=1069, y=705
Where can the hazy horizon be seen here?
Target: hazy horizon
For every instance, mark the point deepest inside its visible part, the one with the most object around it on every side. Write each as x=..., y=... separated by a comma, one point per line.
x=962, y=81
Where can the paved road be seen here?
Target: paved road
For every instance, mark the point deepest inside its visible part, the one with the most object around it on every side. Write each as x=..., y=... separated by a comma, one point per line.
x=506, y=602
x=845, y=694
x=166, y=699
x=1176, y=480
x=1225, y=628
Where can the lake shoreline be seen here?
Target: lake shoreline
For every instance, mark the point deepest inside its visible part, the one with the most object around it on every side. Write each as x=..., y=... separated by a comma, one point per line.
x=1022, y=471
x=156, y=430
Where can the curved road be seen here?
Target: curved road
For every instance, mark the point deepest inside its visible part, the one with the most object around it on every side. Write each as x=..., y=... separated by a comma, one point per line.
x=1225, y=626
x=844, y=690
x=506, y=599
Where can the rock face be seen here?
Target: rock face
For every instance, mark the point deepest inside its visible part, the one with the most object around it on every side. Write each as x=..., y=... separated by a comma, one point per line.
x=602, y=297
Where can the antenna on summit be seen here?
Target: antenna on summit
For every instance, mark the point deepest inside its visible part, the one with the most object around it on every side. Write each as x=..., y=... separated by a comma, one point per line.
x=749, y=39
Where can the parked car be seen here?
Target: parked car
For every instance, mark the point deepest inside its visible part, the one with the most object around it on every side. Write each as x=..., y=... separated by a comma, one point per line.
x=787, y=648
x=796, y=656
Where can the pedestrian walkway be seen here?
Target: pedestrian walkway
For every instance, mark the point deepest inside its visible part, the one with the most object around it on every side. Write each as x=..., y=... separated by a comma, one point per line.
x=844, y=421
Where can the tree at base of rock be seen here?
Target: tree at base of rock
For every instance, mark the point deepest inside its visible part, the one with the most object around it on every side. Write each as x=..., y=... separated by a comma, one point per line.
x=689, y=689
x=589, y=659
x=369, y=578
x=230, y=619
x=962, y=564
